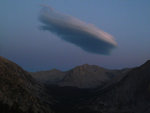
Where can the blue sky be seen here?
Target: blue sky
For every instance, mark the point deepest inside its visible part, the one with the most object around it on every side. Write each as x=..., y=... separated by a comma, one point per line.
x=23, y=42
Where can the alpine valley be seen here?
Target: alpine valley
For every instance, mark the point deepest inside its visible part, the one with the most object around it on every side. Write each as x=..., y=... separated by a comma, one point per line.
x=83, y=89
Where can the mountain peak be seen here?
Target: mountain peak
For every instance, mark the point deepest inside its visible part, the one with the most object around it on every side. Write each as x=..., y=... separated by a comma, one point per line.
x=83, y=66
x=147, y=62
x=88, y=67
x=5, y=61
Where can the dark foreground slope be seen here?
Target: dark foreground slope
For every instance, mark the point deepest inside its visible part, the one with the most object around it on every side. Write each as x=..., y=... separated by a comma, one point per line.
x=130, y=95
x=19, y=92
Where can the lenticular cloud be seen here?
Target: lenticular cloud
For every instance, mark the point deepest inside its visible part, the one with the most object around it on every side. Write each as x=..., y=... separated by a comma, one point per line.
x=86, y=36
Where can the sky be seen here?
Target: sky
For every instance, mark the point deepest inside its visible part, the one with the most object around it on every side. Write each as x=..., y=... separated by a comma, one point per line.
x=23, y=41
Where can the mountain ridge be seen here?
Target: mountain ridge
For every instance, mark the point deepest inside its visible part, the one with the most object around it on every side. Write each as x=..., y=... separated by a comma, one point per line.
x=129, y=95
x=83, y=76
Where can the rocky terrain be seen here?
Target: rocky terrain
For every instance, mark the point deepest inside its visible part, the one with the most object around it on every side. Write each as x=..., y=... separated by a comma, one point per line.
x=84, y=76
x=83, y=89
x=19, y=92
x=130, y=95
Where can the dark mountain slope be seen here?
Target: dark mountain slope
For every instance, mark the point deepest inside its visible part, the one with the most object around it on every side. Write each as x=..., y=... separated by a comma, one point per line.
x=129, y=95
x=49, y=77
x=84, y=76
x=19, y=92
x=87, y=76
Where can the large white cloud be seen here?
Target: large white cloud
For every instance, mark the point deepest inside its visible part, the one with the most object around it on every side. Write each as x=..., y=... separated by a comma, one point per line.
x=86, y=36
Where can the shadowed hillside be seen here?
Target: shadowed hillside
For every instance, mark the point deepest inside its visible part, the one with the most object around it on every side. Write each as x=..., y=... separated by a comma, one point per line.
x=19, y=92
x=129, y=95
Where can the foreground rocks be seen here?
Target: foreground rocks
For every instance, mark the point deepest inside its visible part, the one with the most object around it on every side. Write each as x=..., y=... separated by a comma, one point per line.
x=19, y=92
